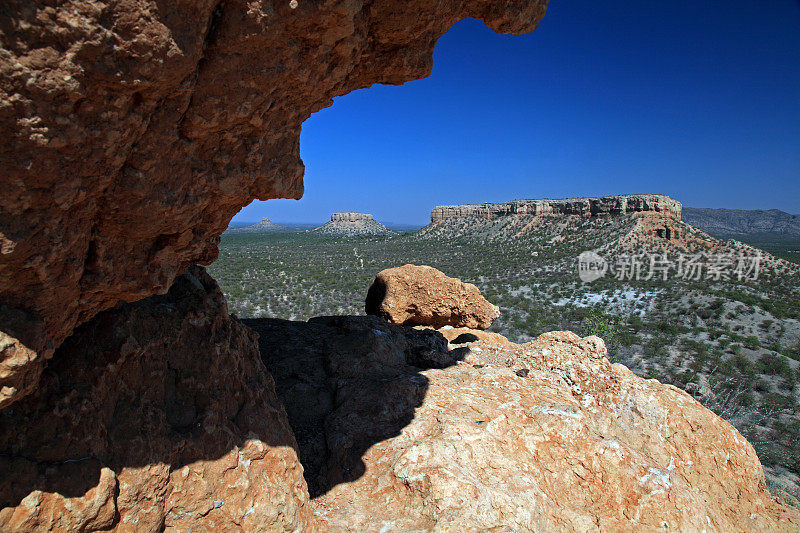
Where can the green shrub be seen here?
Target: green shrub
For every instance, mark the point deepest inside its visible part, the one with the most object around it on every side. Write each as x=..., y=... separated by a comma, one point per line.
x=774, y=365
x=774, y=400
x=752, y=343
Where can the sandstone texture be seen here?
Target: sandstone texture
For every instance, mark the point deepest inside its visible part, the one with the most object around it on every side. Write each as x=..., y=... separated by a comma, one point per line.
x=134, y=131
x=582, y=207
x=548, y=436
x=352, y=225
x=401, y=430
x=348, y=382
x=160, y=415
x=154, y=415
x=422, y=295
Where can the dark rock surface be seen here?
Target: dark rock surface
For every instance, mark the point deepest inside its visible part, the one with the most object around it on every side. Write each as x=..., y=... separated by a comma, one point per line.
x=157, y=414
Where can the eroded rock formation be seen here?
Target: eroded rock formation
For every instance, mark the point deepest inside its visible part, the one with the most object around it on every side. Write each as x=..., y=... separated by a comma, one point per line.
x=583, y=207
x=351, y=217
x=157, y=414
x=134, y=131
x=264, y=226
x=353, y=224
x=422, y=295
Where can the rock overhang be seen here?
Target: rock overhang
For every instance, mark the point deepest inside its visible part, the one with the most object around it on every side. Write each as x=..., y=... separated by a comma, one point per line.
x=135, y=133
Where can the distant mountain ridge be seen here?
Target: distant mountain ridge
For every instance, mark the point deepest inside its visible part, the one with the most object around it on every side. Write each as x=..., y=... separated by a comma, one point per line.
x=583, y=206
x=739, y=222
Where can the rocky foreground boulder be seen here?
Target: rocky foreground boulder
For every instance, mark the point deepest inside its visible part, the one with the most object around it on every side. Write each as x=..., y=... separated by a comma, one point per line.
x=550, y=436
x=422, y=295
x=163, y=414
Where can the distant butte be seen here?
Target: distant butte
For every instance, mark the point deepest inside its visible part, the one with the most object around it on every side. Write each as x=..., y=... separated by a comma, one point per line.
x=265, y=226
x=353, y=224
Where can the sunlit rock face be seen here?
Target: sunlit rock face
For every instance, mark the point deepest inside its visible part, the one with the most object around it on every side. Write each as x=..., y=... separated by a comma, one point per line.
x=543, y=436
x=134, y=131
x=162, y=415
x=422, y=295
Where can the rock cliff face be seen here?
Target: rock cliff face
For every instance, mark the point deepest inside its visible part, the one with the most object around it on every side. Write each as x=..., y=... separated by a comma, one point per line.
x=134, y=131
x=352, y=217
x=583, y=207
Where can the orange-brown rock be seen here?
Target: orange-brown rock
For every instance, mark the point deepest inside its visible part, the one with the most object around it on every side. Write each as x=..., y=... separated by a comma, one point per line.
x=133, y=132
x=157, y=414
x=548, y=436
x=422, y=295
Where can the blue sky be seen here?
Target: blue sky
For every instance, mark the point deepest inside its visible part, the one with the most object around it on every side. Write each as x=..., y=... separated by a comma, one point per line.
x=699, y=100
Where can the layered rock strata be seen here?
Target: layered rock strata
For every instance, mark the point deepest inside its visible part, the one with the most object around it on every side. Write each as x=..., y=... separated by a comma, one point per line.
x=582, y=207
x=134, y=131
x=351, y=217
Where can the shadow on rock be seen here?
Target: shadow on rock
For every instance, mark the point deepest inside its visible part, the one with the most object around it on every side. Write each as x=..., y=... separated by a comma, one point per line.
x=347, y=382
x=146, y=415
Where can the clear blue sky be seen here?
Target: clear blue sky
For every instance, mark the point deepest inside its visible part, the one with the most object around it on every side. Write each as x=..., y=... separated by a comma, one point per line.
x=697, y=99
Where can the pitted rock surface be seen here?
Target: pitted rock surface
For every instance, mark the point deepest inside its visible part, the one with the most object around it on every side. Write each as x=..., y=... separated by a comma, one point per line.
x=154, y=415
x=422, y=295
x=134, y=131
x=574, y=443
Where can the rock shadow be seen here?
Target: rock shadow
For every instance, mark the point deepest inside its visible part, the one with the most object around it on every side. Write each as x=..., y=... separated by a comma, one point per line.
x=173, y=380
x=163, y=383
x=347, y=383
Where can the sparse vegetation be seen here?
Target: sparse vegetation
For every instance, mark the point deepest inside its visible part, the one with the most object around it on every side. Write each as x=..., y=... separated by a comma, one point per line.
x=735, y=346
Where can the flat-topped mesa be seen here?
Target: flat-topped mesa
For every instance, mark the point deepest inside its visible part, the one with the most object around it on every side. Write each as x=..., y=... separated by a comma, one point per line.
x=350, y=217
x=583, y=207
x=352, y=224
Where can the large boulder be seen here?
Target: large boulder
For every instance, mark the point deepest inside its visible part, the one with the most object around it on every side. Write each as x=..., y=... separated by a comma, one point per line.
x=422, y=295
x=543, y=436
x=153, y=415
x=134, y=131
